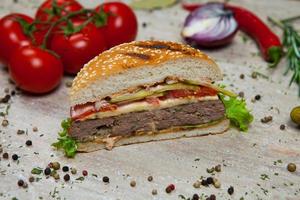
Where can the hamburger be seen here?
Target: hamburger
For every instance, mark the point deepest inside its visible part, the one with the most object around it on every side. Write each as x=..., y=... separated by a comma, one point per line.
x=148, y=91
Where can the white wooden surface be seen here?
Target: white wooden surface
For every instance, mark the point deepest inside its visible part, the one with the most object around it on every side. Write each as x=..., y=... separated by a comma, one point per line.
x=246, y=156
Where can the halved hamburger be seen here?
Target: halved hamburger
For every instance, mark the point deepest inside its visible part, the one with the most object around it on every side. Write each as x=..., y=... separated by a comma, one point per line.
x=147, y=91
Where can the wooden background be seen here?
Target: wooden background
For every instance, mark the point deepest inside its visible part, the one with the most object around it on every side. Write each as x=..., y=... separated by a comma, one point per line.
x=246, y=156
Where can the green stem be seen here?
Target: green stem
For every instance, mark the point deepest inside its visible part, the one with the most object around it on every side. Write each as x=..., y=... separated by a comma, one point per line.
x=64, y=18
x=290, y=19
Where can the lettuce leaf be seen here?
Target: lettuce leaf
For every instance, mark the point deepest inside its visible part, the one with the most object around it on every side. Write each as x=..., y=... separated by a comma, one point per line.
x=65, y=142
x=237, y=112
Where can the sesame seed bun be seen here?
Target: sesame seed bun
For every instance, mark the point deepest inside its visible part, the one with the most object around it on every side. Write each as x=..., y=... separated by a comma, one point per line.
x=140, y=63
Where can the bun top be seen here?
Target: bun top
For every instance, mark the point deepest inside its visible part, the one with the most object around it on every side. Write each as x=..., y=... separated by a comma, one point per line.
x=134, y=55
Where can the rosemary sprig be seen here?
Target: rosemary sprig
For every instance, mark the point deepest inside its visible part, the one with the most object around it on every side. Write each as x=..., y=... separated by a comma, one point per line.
x=291, y=43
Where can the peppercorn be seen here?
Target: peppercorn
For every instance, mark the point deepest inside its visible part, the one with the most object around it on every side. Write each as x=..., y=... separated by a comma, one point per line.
x=73, y=170
x=5, y=123
x=65, y=168
x=132, y=183
x=242, y=76
x=216, y=183
x=210, y=170
x=31, y=179
x=68, y=84
x=13, y=93
x=56, y=165
x=266, y=119
x=5, y=155
x=170, y=188
x=195, y=197
x=56, y=176
x=197, y=184
x=66, y=177
x=20, y=132
x=241, y=94
x=15, y=157
x=295, y=115
x=209, y=180
x=212, y=197
x=154, y=192
x=150, y=178
x=282, y=127
x=20, y=182
x=230, y=190
x=47, y=171
x=84, y=173
x=25, y=185
x=105, y=179
x=35, y=129
x=218, y=168
x=28, y=143
x=204, y=182
x=254, y=75
x=257, y=97
x=291, y=167
x=144, y=24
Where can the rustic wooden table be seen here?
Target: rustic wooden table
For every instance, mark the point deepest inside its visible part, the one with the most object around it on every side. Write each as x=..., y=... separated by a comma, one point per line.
x=254, y=163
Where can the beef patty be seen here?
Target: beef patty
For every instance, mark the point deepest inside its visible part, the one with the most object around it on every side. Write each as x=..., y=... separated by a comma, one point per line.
x=148, y=121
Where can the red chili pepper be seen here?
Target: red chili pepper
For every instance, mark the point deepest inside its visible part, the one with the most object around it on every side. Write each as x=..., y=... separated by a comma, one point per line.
x=268, y=42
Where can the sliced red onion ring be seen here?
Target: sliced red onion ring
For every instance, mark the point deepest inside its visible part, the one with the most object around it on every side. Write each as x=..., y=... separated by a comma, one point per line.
x=210, y=25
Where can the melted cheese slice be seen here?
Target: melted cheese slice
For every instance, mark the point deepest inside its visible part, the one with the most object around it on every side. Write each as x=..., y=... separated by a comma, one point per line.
x=143, y=105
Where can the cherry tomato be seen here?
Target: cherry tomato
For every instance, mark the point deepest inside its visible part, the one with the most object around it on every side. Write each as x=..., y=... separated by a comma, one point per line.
x=35, y=70
x=121, y=25
x=12, y=36
x=77, y=49
x=64, y=6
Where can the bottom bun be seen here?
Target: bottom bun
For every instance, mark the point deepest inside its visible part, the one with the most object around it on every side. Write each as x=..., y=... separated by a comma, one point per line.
x=218, y=128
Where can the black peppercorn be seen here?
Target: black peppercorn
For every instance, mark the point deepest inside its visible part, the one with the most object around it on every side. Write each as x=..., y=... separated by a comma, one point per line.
x=105, y=179
x=195, y=197
x=67, y=177
x=15, y=157
x=282, y=127
x=230, y=190
x=257, y=97
x=28, y=143
x=209, y=180
x=204, y=183
x=47, y=171
x=212, y=197
x=20, y=183
x=65, y=168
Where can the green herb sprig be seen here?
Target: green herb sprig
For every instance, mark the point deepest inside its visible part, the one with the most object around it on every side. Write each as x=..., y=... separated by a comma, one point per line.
x=291, y=43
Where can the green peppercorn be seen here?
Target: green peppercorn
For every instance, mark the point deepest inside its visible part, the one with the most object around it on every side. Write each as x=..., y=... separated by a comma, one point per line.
x=295, y=115
x=210, y=170
x=291, y=167
x=218, y=168
x=56, y=176
x=56, y=165
x=73, y=170
x=197, y=184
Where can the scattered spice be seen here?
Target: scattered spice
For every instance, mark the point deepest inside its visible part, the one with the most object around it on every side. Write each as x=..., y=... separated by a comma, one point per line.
x=37, y=170
x=216, y=183
x=230, y=190
x=170, y=188
x=67, y=177
x=5, y=155
x=15, y=157
x=212, y=197
x=28, y=143
x=68, y=84
x=144, y=24
x=204, y=183
x=133, y=183
x=73, y=170
x=65, y=168
x=266, y=119
x=35, y=129
x=80, y=178
x=218, y=168
x=56, y=165
x=242, y=76
x=291, y=167
x=195, y=197
x=6, y=90
x=47, y=171
x=105, y=179
x=197, y=184
x=209, y=180
x=20, y=182
x=31, y=179
x=210, y=170
x=257, y=97
x=56, y=176
x=282, y=127
x=5, y=123
x=150, y=178
x=241, y=94
x=254, y=75
x=154, y=192
x=84, y=173
x=25, y=185
x=20, y=132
